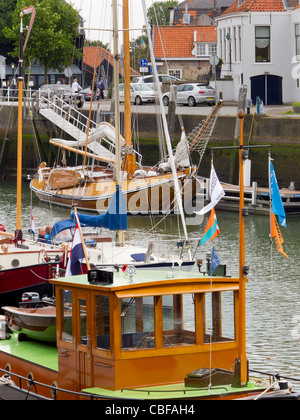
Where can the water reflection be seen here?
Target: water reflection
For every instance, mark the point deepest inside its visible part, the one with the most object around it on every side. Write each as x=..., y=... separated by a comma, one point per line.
x=273, y=292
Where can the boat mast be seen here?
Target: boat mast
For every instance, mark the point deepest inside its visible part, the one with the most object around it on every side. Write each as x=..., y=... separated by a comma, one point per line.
x=129, y=162
x=20, y=129
x=165, y=125
x=118, y=179
x=242, y=274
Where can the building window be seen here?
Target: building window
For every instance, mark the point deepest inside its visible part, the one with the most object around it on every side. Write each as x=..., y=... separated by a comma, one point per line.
x=297, y=40
x=206, y=50
x=234, y=44
x=262, y=44
x=175, y=73
x=240, y=43
x=212, y=49
x=224, y=41
x=201, y=49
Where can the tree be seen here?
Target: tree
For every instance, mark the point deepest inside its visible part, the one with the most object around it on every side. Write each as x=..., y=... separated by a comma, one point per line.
x=7, y=8
x=89, y=43
x=139, y=48
x=51, y=41
x=159, y=12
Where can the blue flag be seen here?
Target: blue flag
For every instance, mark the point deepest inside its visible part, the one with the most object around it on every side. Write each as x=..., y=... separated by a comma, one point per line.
x=215, y=261
x=277, y=206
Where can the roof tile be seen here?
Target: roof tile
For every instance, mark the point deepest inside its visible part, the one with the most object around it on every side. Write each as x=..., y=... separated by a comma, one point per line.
x=178, y=41
x=256, y=6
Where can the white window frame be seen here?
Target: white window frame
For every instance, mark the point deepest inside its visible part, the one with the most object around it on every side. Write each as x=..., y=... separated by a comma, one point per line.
x=206, y=49
x=175, y=73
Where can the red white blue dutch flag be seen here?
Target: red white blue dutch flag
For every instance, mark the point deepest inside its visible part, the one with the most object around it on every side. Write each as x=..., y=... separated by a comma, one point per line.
x=77, y=254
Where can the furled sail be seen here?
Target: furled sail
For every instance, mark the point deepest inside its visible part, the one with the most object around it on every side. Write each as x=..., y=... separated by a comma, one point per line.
x=114, y=219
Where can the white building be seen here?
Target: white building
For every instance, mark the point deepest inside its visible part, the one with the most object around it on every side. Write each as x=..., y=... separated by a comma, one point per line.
x=259, y=42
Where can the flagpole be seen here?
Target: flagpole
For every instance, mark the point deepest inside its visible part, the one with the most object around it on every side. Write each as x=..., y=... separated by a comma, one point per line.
x=242, y=286
x=82, y=240
x=270, y=196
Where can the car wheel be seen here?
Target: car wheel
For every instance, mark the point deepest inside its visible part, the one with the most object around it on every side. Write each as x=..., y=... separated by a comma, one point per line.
x=138, y=100
x=191, y=101
x=166, y=101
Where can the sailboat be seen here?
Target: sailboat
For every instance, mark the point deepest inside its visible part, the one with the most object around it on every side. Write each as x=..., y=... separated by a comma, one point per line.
x=25, y=264
x=141, y=336
x=147, y=190
x=141, y=183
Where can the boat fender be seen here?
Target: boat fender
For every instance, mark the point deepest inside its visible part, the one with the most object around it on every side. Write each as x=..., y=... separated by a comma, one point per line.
x=2, y=228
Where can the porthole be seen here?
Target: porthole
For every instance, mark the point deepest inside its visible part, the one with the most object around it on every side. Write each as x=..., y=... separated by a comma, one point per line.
x=54, y=392
x=30, y=379
x=15, y=263
x=8, y=367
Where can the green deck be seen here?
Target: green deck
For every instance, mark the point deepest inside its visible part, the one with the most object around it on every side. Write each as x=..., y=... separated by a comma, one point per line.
x=177, y=391
x=32, y=351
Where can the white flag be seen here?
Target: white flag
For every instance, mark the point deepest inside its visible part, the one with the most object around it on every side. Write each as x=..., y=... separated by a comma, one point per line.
x=215, y=190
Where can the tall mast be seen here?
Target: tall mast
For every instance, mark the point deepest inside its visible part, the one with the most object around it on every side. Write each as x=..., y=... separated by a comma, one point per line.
x=20, y=129
x=127, y=103
x=129, y=162
x=242, y=285
x=118, y=179
x=116, y=89
x=165, y=125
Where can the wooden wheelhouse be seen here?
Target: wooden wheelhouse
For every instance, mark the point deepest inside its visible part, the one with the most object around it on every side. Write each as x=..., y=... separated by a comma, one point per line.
x=150, y=329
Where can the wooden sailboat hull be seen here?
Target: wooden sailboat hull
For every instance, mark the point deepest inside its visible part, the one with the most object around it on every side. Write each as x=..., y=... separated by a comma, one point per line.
x=145, y=195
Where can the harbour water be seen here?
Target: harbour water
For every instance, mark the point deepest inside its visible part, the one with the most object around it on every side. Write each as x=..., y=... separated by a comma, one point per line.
x=273, y=290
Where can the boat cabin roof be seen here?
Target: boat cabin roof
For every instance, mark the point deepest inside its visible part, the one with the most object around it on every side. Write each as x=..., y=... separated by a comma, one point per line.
x=152, y=282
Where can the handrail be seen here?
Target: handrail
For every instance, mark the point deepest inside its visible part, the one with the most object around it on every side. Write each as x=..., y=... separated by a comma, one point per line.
x=68, y=112
x=54, y=389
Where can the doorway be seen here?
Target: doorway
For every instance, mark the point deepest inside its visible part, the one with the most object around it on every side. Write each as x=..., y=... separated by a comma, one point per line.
x=268, y=87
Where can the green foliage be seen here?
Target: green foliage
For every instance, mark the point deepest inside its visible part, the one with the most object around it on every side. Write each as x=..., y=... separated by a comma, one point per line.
x=137, y=52
x=89, y=43
x=51, y=40
x=159, y=12
x=7, y=8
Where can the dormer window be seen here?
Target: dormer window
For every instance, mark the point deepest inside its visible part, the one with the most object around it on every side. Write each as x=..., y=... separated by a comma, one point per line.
x=241, y=2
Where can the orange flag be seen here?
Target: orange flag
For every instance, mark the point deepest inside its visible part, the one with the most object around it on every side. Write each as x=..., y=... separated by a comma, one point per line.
x=275, y=233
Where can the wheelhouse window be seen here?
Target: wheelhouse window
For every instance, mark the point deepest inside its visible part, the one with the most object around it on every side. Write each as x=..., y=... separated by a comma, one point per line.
x=178, y=320
x=66, y=311
x=102, y=322
x=170, y=321
x=219, y=321
x=137, y=323
x=262, y=44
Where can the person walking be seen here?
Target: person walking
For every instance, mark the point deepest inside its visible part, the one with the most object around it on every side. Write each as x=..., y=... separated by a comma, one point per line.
x=101, y=87
x=76, y=86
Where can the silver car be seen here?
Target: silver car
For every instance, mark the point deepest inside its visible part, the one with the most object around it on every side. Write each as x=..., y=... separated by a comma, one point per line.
x=139, y=93
x=192, y=94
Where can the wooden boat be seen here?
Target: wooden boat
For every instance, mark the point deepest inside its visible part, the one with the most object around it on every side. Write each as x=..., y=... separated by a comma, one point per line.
x=35, y=323
x=147, y=190
x=258, y=199
x=145, y=335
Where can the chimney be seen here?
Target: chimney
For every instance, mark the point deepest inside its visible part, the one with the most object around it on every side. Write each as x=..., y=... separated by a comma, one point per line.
x=172, y=14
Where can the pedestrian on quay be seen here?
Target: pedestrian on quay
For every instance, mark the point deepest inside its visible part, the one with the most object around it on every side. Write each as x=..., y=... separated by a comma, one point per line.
x=101, y=87
x=76, y=86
